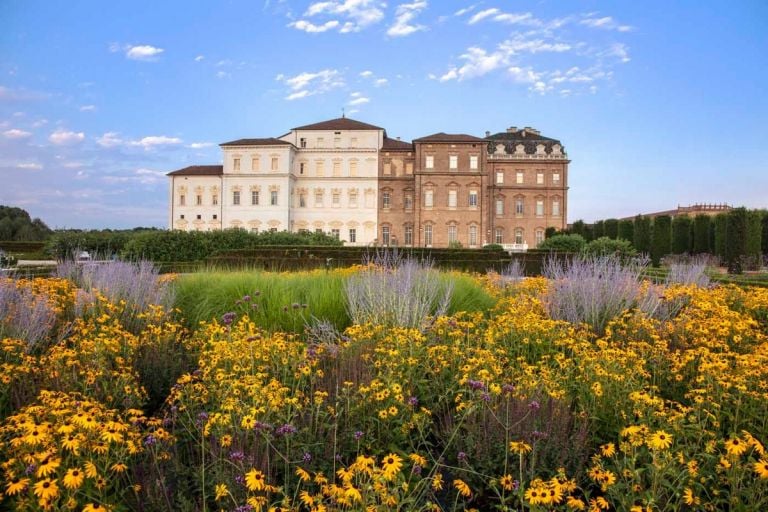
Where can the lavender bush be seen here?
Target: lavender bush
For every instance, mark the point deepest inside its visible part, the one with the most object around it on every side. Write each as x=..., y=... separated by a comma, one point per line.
x=396, y=291
x=24, y=315
x=689, y=270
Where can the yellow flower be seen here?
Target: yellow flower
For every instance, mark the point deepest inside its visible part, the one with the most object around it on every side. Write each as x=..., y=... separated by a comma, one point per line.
x=575, y=503
x=95, y=507
x=303, y=475
x=16, y=485
x=608, y=450
x=761, y=468
x=119, y=467
x=437, y=482
x=73, y=479
x=462, y=487
x=254, y=480
x=689, y=498
x=46, y=489
x=221, y=491
x=507, y=483
x=736, y=447
x=48, y=466
x=90, y=470
x=418, y=459
x=519, y=447
x=659, y=440
x=535, y=495
x=391, y=465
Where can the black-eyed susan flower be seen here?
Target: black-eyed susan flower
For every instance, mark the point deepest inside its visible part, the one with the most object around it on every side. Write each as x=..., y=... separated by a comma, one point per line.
x=254, y=480
x=659, y=440
x=73, y=479
x=16, y=485
x=761, y=468
x=46, y=489
x=391, y=465
x=462, y=487
x=736, y=447
x=221, y=491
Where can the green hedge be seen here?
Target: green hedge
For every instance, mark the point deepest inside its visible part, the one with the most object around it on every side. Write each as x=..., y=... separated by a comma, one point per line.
x=13, y=246
x=662, y=238
x=682, y=227
x=643, y=238
x=701, y=235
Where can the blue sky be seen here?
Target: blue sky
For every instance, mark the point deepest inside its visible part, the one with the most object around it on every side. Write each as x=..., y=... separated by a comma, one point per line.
x=657, y=103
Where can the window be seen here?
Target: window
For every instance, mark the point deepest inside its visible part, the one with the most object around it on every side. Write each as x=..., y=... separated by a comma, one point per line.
x=352, y=235
x=353, y=199
x=539, y=236
x=302, y=200
x=555, y=207
x=320, y=142
x=236, y=164
x=215, y=216
x=236, y=197
x=387, y=168
x=215, y=199
x=408, y=234
x=199, y=217
x=318, y=198
x=499, y=207
x=254, y=197
x=408, y=202
x=182, y=200
x=451, y=199
x=353, y=168
x=337, y=142
x=472, y=235
x=499, y=236
x=452, y=233
x=385, y=200
x=255, y=163
x=453, y=162
x=273, y=198
x=499, y=177
x=353, y=142
x=428, y=198
x=409, y=168
x=274, y=163
x=199, y=200
x=519, y=236
x=473, y=198
x=519, y=209
x=430, y=162
x=556, y=178
x=385, y=235
x=303, y=142
x=301, y=167
x=337, y=168
x=319, y=168
x=335, y=233
x=428, y=235
x=539, y=178
x=539, y=207
x=181, y=216
x=473, y=162
x=520, y=177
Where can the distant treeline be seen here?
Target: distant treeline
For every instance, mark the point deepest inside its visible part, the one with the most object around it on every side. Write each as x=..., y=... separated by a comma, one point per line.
x=16, y=225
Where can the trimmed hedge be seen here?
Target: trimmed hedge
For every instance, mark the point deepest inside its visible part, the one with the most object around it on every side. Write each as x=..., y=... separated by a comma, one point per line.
x=701, y=235
x=662, y=238
x=682, y=227
x=627, y=230
x=643, y=238
x=14, y=246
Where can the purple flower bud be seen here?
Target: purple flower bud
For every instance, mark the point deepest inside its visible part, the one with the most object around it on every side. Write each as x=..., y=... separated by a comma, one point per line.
x=508, y=388
x=413, y=401
x=461, y=456
x=236, y=456
x=246, y=298
x=358, y=435
x=150, y=440
x=228, y=318
x=307, y=457
x=416, y=469
x=485, y=397
x=534, y=405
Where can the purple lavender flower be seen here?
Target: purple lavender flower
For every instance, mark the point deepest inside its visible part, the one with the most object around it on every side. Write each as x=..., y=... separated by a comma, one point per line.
x=475, y=384
x=461, y=456
x=413, y=401
x=228, y=318
x=246, y=298
x=508, y=388
x=485, y=397
x=416, y=469
x=534, y=405
x=30, y=469
x=150, y=440
x=307, y=458
x=358, y=435
x=244, y=508
x=236, y=456
x=286, y=429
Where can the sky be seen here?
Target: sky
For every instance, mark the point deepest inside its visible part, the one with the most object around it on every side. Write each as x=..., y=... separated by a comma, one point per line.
x=657, y=103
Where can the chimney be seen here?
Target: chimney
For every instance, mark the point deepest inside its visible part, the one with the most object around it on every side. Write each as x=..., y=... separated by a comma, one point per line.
x=487, y=133
x=512, y=129
x=398, y=138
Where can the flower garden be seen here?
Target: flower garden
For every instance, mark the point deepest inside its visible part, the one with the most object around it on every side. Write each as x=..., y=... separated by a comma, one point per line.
x=579, y=391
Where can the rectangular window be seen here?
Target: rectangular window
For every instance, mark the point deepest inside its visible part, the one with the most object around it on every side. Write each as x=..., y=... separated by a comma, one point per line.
x=319, y=199
x=499, y=236
x=473, y=198
x=199, y=217
x=215, y=216
x=408, y=235
x=199, y=200
x=303, y=142
x=301, y=167
x=519, y=206
x=408, y=202
x=555, y=207
x=472, y=236
x=556, y=178
x=352, y=235
x=353, y=199
x=236, y=164
x=255, y=230
x=182, y=200
x=499, y=177
x=353, y=168
x=409, y=168
x=337, y=168
x=385, y=235
x=273, y=198
x=255, y=163
x=452, y=199
x=336, y=199
x=428, y=199
x=473, y=162
x=453, y=162
x=320, y=142
x=428, y=235
x=430, y=162
x=539, y=178
x=451, y=233
x=302, y=200
x=387, y=168
x=335, y=233
x=337, y=142
x=319, y=168
x=254, y=197
x=236, y=197
x=539, y=236
x=353, y=142
x=215, y=199
x=539, y=207
x=181, y=216
x=499, y=207
x=520, y=177
x=519, y=236
x=274, y=163
x=385, y=200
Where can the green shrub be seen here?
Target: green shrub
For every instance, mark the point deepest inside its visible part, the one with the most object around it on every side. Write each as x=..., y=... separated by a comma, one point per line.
x=736, y=236
x=721, y=227
x=701, y=235
x=563, y=243
x=579, y=228
x=493, y=247
x=754, y=239
x=764, y=241
x=681, y=234
x=550, y=232
x=605, y=246
x=598, y=229
x=611, y=228
x=627, y=230
x=662, y=238
x=642, y=234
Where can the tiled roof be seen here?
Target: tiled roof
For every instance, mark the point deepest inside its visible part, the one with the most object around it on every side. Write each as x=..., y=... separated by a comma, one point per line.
x=449, y=137
x=522, y=135
x=341, y=123
x=396, y=145
x=199, y=170
x=256, y=142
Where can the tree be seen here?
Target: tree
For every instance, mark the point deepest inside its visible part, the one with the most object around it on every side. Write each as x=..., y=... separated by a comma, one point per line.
x=598, y=229
x=754, y=239
x=736, y=235
x=605, y=246
x=16, y=225
x=681, y=234
x=612, y=228
x=643, y=236
x=550, y=232
x=579, y=228
x=662, y=238
x=765, y=232
x=719, y=240
x=701, y=235
x=564, y=243
x=627, y=230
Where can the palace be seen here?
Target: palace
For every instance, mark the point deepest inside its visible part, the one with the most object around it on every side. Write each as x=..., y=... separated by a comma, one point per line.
x=349, y=179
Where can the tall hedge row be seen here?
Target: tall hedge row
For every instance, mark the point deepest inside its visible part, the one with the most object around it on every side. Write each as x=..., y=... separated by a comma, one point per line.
x=627, y=230
x=643, y=234
x=721, y=226
x=612, y=228
x=662, y=238
x=681, y=234
x=701, y=236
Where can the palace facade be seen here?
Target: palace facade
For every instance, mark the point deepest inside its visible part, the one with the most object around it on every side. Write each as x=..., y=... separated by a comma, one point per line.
x=349, y=179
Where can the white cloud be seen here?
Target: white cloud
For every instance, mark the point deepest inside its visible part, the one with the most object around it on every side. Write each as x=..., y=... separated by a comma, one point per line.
x=88, y=108
x=30, y=166
x=15, y=133
x=380, y=82
x=404, y=16
x=200, y=145
x=39, y=123
x=113, y=139
x=360, y=101
x=605, y=23
x=524, y=75
x=366, y=74
x=142, y=52
x=157, y=140
x=199, y=58
x=62, y=137
x=72, y=165
x=223, y=74
x=465, y=10
x=482, y=15
x=309, y=84
x=346, y=16
x=109, y=140
x=311, y=28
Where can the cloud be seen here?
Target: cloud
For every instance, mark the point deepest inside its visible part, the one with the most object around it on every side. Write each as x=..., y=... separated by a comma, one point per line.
x=605, y=23
x=345, y=16
x=30, y=166
x=404, y=16
x=8, y=94
x=110, y=140
x=309, y=84
x=223, y=74
x=617, y=50
x=465, y=10
x=156, y=140
x=200, y=145
x=113, y=139
x=366, y=74
x=357, y=98
x=62, y=137
x=482, y=15
x=199, y=58
x=88, y=108
x=380, y=82
x=142, y=52
x=15, y=133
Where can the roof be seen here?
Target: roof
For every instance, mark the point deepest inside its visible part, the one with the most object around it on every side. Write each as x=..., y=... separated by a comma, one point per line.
x=523, y=134
x=396, y=145
x=271, y=141
x=340, y=123
x=449, y=137
x=199, y=170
